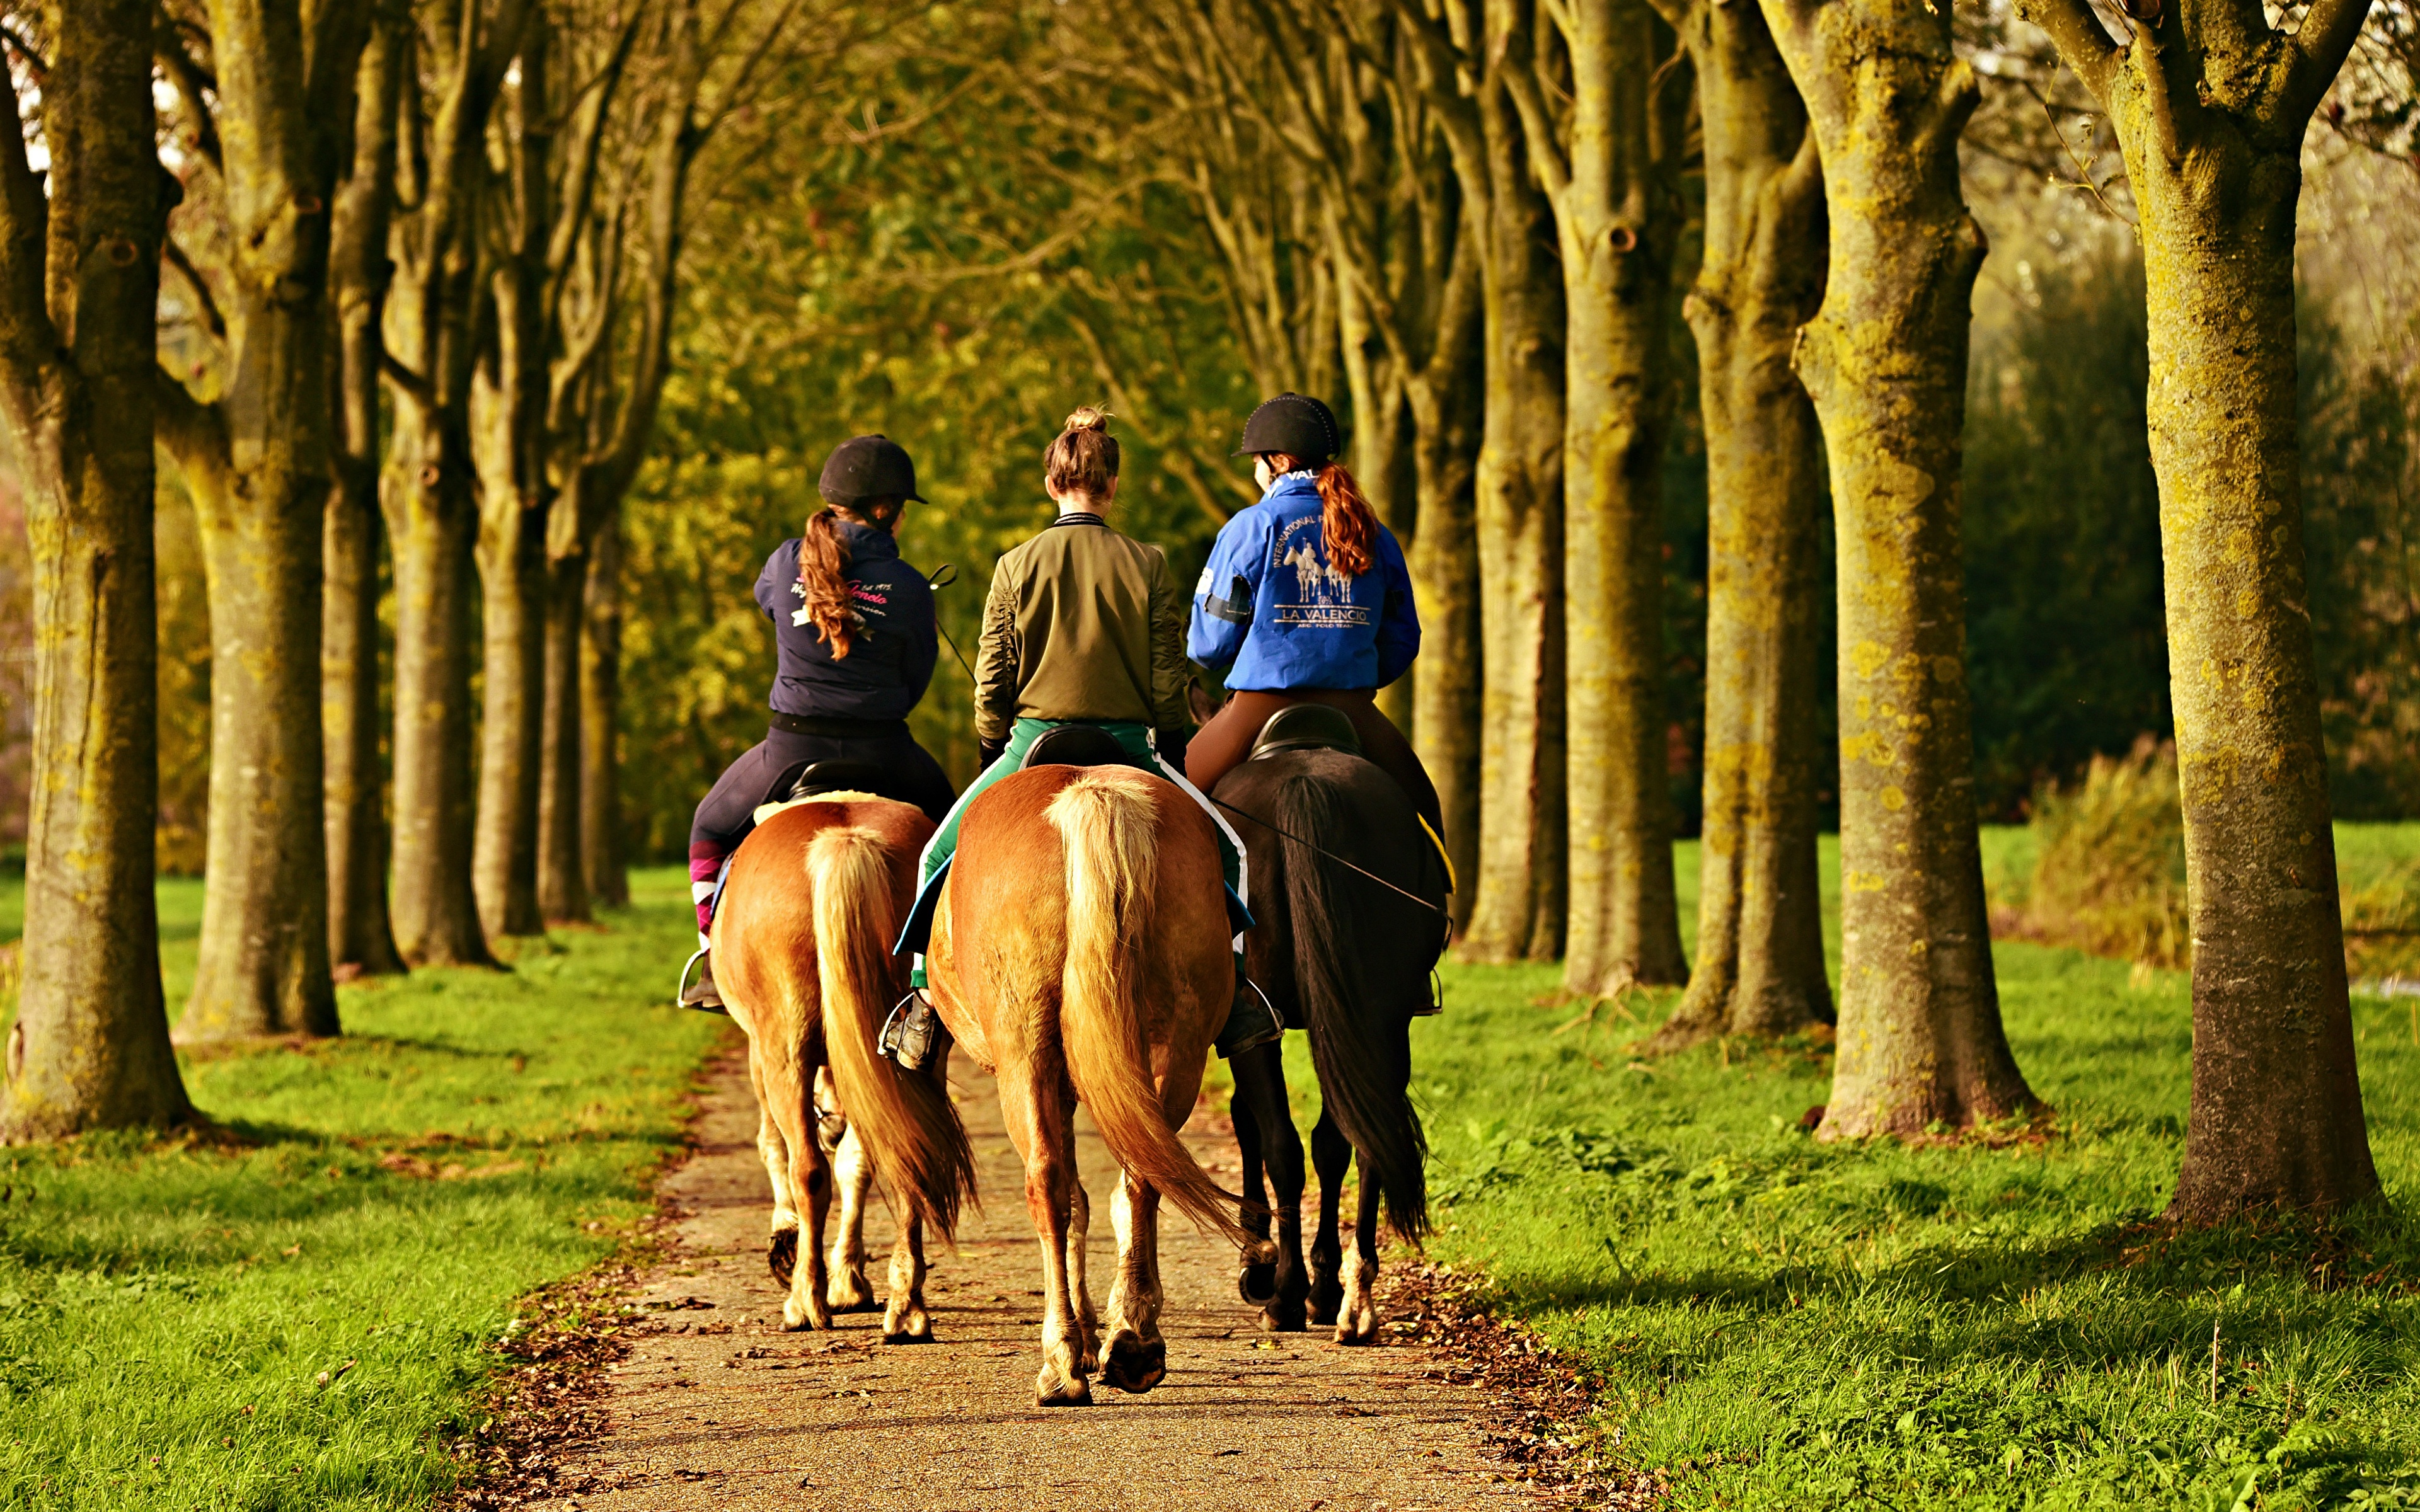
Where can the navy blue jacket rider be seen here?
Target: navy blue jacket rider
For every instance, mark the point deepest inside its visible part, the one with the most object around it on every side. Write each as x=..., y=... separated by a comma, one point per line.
x=886, y=670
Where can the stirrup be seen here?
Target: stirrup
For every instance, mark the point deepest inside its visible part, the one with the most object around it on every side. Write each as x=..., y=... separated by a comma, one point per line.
x=907, y=1033
x=681, y=990
x=1434, y=1002
x=1241, y=1033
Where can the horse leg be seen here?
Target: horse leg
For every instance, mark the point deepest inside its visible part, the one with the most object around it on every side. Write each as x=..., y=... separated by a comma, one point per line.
x=1045, y=1136
x=1359, y=1321
x=1079, y=1286
x=1260, y=1085
x=1255, y=1283
x=811, y=1178
x=853, y=1178
x=1138, y=1356
x=1331, y=1155
x=782, y=1255
x=906, y=1322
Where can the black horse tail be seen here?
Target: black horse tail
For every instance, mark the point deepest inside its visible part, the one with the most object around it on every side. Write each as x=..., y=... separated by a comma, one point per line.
x=1361, y=1043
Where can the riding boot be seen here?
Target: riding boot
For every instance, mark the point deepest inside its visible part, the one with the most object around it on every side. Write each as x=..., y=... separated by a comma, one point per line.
x=703, y=993
x=1251, y=1021
x=908, y=1034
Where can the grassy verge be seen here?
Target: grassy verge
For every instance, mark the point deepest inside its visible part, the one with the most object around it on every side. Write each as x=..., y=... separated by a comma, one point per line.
x=1794, y=1325
x=176, y=1320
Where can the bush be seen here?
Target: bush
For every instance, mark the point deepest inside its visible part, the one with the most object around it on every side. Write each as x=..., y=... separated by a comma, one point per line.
x=2110, y=873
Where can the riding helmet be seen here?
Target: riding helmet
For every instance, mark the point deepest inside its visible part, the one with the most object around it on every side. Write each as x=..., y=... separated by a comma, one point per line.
x=1294, y=423
x=868, y=467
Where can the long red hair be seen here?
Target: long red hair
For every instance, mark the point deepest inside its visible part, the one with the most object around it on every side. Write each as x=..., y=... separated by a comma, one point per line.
x=1346, y=521
x=822, y=568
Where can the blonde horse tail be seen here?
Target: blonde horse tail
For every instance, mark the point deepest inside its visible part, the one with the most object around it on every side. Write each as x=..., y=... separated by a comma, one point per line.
x=919, y=1148
x=1108, y=823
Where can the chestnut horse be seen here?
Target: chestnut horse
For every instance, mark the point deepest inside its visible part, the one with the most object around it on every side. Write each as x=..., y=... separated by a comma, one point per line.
x=1080, y=952
x=803, y=953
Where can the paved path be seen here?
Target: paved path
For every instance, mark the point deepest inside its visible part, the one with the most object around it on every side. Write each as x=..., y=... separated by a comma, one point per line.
x=719, y=1409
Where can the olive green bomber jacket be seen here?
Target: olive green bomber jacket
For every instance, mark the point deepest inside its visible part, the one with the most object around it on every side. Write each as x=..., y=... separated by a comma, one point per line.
x=1081, y=623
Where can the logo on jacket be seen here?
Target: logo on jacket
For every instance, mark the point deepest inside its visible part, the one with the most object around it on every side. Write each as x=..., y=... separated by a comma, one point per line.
x=1324, y=591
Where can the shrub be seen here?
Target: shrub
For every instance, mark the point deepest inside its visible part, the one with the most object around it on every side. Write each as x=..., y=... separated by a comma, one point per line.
x=2110, y=872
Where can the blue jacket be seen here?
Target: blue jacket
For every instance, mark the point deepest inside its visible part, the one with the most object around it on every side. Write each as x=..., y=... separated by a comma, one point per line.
x=1269, y=603
x=890, y=660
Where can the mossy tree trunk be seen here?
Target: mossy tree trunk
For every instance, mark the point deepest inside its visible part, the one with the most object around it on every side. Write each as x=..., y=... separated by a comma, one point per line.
x=600, y=700
x=1610, y=161
x=1885, y=360
x=2210, y=104
x=508, y=405
x=79, y=291
x=361, y=941
x=429, y=492
x=1759, y=966
x=258, y=461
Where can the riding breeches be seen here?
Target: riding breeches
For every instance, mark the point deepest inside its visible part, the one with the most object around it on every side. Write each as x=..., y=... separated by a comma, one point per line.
x=1224, y=742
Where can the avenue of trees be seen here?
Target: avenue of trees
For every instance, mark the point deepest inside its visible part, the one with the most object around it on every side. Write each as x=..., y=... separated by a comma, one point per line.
x=492, y=343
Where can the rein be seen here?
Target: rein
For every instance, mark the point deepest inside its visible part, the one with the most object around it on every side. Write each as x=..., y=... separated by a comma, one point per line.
x=1322, y=850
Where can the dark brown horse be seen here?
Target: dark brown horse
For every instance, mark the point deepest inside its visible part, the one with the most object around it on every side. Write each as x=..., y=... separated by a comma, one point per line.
x=1080, y=952
x=1343, y=948
x=802, y=951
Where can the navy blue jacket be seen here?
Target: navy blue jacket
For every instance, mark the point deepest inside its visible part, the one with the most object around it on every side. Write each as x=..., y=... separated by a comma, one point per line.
x=892, y=656
x=1269, y=603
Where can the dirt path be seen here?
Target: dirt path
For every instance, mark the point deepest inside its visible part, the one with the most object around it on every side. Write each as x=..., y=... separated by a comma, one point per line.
x=717, y=1408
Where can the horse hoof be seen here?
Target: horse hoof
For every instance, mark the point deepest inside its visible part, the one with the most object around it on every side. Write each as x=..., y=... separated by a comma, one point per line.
x=1257, y=1284
x=1358, y=1328
x=905, y=1337
x=1327, y=1300
x=798, y=1320
x=1049, y=1392
x=784, y=1255
x=1283, y=1317
x=1135, y=1365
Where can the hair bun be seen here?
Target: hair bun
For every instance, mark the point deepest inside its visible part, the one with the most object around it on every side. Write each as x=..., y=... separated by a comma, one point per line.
x=1089, y=417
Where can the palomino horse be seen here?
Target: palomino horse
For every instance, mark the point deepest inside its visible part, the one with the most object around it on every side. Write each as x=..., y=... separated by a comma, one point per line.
x=803, y=953
x=1343, y=947
x=1080, y=952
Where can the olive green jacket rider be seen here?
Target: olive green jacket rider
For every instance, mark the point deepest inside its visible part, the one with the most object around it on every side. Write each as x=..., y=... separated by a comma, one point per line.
x=1082, y=623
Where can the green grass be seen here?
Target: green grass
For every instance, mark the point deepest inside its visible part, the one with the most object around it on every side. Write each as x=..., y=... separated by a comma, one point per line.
x=166, y=1309
x=1795, y=1325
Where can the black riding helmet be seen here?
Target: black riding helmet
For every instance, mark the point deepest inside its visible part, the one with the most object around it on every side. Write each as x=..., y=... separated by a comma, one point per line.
x=1296, y=425
x=868, y=467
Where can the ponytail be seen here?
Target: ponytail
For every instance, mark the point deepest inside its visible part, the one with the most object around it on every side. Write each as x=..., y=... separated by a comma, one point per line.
x=823, y=559
x=1346, y=522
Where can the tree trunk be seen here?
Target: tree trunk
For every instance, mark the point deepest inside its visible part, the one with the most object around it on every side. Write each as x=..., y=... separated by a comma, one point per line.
x=512, y=577
x=431, y=520
x=89, y=1047
x=562, y=883
x=1885, y=360
x=1445, y=585
x=1518, y=912
x=1618, y=220
x=264, y=946
x=600, y=694
x=1760, y=967
x=353, y=789
x=1384, y=459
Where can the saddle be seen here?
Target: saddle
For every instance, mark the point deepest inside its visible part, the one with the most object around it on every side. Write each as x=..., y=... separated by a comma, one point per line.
x=1076, y=745
x=1306, y=727
x=810, y=779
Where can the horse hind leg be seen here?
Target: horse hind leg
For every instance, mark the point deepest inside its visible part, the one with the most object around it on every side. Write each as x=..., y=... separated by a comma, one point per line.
x=811, y=1178
x=1079, y=1282
x=1137, y=1358
x=1046, y=1138
x=782, y=1254
x=1331, y=1156
x=1279, y=1286
x=1357, y=1320
x=906, y=1322
x=853, y=1178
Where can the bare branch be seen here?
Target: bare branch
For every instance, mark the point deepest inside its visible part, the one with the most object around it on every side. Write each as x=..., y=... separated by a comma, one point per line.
x=2082, y=43
x=2321, y=46
x=183, y=263
x=27, y=336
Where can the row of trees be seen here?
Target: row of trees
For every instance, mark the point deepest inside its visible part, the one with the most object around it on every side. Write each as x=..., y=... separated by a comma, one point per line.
x=420, y=265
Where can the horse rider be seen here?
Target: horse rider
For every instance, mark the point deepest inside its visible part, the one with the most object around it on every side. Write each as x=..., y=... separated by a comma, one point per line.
x=1083, y=625
x=1306, y=600
x=854, y=628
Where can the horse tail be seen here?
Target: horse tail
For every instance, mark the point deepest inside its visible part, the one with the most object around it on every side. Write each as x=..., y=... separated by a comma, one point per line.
x=1109, y=822
x=919, y=1148
x=1360, y=1045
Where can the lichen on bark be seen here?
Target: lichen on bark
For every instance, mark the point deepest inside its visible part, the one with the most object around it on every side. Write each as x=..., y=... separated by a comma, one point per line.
x=1884, y=362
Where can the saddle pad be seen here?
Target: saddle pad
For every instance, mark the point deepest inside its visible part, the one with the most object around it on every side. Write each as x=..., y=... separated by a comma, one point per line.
x=766, y=810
